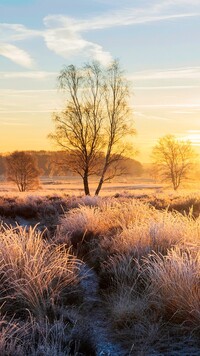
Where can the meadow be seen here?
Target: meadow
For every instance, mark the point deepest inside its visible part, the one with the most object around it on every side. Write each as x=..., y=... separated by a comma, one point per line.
x=112, y=275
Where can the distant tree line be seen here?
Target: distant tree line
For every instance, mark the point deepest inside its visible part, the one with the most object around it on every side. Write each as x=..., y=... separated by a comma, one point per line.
x=43, y=159
x=50, y=163
x=172, y=161
x=25, y=167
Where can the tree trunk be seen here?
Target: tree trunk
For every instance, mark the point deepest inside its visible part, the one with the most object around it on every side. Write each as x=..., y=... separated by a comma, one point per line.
x=86, y=184
x=176, y=186
x=103, y=174
x=99, y=185
x=106, y=164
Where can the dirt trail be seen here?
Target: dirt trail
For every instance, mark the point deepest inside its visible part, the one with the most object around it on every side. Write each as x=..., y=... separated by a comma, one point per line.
x=95, y=318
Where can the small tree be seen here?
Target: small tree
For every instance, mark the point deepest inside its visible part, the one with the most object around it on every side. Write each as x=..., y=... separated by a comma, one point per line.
x=173, y=159
x=95, y=122
x=21, y=168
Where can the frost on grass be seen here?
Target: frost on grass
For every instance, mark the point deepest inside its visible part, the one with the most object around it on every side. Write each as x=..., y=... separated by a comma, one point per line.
x=35, y=274
x=148, y=268
x=174, y=284
x=40, y=294
x=145, y=269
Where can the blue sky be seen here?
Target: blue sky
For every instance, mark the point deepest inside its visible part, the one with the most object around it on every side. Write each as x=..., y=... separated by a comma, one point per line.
x=157, y=43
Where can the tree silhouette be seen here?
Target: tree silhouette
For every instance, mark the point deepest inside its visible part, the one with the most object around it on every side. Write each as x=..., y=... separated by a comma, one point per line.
x=21, y=168
x=96, y=121
x=173, y=159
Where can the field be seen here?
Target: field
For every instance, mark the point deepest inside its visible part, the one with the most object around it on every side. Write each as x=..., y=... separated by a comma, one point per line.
x=112, y=275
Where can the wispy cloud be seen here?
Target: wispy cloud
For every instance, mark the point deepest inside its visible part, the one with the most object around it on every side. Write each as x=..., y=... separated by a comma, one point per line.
x=64, y=39
x=29, y=101
x=28, y=75
x=17, y=32
x=168, y=87
x=191, y=111
x=65, y=36
x=133, y=15
x=27, y=91
x=149, y=117
x=194, y=131
x=174, y=73
x=16, y=55
x=24, y=111
x=183, y=105
x=193, y=136
x=11, y=123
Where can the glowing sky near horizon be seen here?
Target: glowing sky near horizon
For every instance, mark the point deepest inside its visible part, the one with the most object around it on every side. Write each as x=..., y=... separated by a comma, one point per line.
x=157, y=43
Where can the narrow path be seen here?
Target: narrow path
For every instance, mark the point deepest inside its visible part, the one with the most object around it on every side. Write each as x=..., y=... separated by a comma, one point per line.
x=96, y=319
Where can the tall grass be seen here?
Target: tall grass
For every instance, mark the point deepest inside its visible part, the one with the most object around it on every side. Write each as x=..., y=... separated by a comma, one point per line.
x=11, y=335
x=122, y=227
x=34, y=274
x=174, y=284
x=107, y=216
x=33, y=338
x=148, y=264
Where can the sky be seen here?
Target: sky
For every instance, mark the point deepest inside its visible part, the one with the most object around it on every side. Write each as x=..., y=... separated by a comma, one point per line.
x=156, y=42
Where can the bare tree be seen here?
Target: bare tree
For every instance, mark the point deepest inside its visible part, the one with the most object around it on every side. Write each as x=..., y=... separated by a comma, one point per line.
x=95, y=122
x=118, y=125
x=21, y=168
x=173, y=159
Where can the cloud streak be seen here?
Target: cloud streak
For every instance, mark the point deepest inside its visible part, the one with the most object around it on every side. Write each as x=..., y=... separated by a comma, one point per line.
x=132, y=15
x=24, y=111
x=150, y=117
x=183, y=105
x=17, y=32
x=28, y=75
x=66, y=41
x=169, y=87
x=65, y=36
x=129, y=17
x=16, y=55
x=174, y=73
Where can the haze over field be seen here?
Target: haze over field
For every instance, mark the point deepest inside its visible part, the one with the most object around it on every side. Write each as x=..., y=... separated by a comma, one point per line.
x=156, y=43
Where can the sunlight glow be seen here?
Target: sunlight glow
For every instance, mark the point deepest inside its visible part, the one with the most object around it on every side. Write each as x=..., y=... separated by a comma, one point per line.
x=193, y=136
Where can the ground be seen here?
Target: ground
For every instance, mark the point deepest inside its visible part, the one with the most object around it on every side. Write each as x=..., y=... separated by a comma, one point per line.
x=111, y=275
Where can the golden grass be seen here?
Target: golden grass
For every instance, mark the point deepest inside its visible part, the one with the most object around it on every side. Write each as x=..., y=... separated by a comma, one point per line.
x=148, y=264
x=33, y=272
x=109, y=214
x=174, y=284
x=133, y=225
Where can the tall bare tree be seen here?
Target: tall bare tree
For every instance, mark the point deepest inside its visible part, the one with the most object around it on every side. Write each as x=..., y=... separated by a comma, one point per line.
x=118, y=123
x=173, y=159
x=95, y=122
x=77, y=128
x=21, y=168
